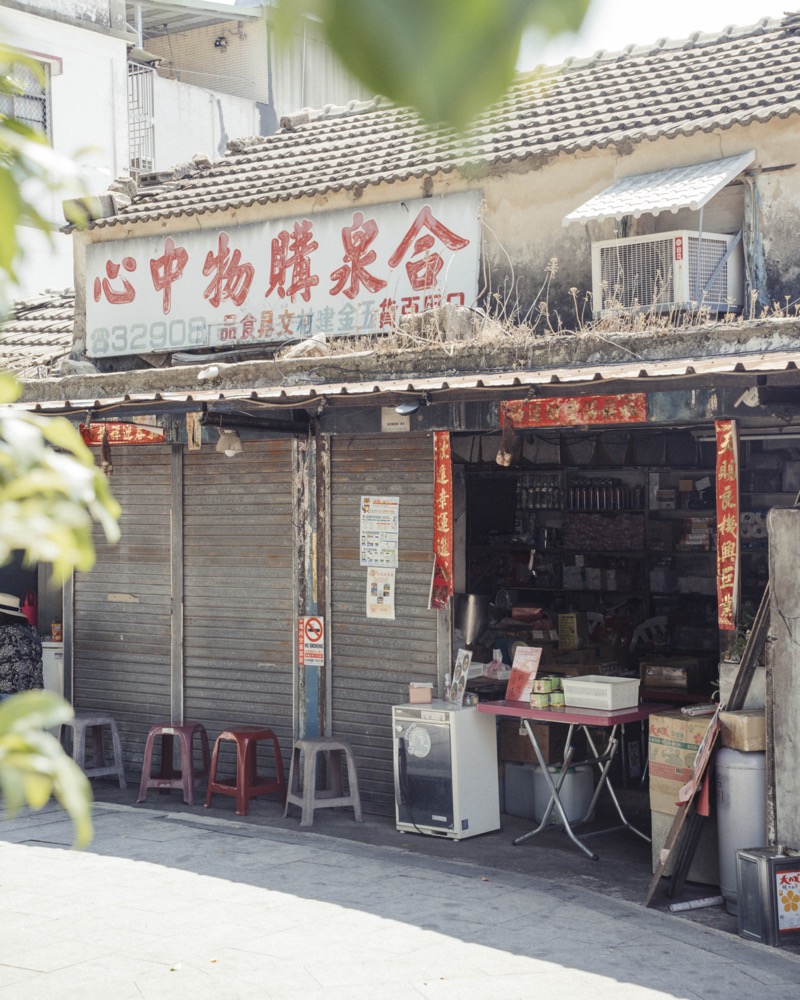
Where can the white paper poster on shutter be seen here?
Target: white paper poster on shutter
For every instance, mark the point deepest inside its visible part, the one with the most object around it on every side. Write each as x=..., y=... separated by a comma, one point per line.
x=379, y=531
x=380, y=593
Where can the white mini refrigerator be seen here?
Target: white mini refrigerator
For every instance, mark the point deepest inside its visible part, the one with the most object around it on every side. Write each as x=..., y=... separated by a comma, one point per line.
x=445, y=770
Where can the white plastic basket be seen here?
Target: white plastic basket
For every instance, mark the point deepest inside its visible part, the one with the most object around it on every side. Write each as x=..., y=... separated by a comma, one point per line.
x=598, y=691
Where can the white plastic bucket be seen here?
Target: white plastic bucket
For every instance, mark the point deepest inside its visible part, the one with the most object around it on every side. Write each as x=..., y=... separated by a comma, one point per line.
x=741, y=812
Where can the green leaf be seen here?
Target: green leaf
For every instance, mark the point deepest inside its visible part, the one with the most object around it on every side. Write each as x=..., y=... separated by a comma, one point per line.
x=60, y=433
x=33, y=765
x=9, y=388
x=449, y=59
x=33, y=710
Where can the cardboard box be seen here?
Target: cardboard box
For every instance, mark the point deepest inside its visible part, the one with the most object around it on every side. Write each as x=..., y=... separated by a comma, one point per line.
x=705, y=864
x=593, y=577
x=573, y=630
x=745, y=730
x=420, y=694
x=570, y=663
x=515, y=745
x=672, y=748
x=683, y=672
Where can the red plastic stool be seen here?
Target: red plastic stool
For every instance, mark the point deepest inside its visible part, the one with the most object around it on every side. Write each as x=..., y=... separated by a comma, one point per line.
x=247, y=783
x=167, y=776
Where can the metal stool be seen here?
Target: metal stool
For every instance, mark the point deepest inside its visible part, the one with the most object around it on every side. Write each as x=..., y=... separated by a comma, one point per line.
x=310, y=797
x=167, y=777
x=98, y=768
x=247, y=784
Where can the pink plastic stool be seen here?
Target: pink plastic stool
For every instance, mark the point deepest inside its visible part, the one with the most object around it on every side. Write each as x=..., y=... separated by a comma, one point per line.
x=167, y=777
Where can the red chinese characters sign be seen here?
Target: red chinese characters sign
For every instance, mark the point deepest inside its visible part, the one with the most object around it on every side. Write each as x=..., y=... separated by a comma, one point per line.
x=119, y=433
x=443, y=510
x=727, y=523
x=334, y=273
x=569, y=411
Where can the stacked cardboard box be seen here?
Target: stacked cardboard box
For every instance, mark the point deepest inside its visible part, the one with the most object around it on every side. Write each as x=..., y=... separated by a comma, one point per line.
x=513, y=742
x=744, y=730
x=674, y=741
x=683, y=672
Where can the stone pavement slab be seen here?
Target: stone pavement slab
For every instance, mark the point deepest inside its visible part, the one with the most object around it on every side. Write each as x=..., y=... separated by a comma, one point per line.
x=166, y=906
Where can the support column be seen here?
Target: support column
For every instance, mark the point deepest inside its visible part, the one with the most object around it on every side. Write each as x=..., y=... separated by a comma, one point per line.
x=783, y=663
x=176, y=587
x=312, y=658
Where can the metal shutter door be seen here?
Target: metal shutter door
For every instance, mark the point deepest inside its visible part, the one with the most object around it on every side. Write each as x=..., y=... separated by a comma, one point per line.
x=122, y=607
x=239, y=589
x=373, y=661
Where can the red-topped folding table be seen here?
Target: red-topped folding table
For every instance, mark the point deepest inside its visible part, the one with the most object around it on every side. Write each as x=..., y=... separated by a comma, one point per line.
x=576, y=719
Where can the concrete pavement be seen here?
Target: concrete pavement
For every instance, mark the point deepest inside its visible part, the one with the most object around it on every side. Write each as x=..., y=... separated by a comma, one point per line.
x=189, y=905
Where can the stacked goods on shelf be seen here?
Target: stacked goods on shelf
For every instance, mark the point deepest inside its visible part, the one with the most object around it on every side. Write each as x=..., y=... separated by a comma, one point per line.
x=697, y=534
x=604, y=495
x=612, y=573
x=753, y=528
x=603, y=532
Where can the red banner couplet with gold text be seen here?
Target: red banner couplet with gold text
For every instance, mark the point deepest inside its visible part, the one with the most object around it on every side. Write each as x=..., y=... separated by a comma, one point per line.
x=569, y=411
x=727, y=523
x=443, y=508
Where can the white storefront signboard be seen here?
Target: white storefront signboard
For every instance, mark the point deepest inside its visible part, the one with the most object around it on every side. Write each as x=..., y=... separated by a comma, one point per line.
x=343, y=273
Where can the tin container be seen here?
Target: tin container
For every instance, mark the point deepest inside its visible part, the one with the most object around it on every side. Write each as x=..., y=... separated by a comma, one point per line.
x=539, y=700
x=557, y=699
x=556, y=682
x=543, y=685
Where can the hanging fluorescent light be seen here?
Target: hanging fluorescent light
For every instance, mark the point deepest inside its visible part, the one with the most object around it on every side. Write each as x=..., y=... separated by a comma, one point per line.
x=408, y=407
x=412, y=403
x=230, y=443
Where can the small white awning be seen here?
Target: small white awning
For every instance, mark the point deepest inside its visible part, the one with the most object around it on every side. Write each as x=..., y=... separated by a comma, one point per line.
x=662, y=191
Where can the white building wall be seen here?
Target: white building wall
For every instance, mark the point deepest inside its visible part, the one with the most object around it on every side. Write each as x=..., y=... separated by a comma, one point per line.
x=252, y=64
x=240, y=68
x=88, y=113
x=191, y=120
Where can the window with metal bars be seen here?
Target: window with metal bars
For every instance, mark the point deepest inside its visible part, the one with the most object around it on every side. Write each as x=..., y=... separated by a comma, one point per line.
x=141, y=132
x=31, y=104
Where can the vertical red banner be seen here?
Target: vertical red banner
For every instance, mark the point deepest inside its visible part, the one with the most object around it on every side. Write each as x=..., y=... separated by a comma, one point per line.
x=727, y=523
x=443, y=508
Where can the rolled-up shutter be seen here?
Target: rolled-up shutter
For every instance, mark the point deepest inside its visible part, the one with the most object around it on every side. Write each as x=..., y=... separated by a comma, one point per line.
x=374, y=660
x=239, y=588
x=121, y=658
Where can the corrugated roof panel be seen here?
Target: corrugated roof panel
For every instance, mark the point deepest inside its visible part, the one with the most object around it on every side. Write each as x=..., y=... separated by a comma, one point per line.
x=299, y=395
x=663, y=190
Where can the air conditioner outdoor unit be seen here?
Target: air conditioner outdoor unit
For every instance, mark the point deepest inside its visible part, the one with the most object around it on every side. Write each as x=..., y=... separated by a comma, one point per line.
x=682, y=269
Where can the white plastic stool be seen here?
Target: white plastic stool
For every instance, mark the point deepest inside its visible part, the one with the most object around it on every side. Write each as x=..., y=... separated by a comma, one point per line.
x=310, y=797
x=98, y=768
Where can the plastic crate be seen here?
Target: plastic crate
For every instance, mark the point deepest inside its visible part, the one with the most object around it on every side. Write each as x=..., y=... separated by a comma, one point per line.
x=599, y=691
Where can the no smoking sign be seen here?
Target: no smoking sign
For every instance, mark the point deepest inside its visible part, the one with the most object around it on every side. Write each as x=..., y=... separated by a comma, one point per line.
x=311, y=640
